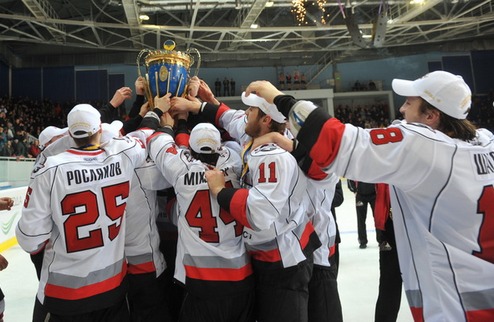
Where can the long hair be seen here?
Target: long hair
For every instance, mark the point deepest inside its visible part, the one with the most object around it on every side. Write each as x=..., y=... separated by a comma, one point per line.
x=452, y=127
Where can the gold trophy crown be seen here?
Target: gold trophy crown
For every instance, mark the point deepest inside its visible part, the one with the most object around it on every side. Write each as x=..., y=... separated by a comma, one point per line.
x=167, y=70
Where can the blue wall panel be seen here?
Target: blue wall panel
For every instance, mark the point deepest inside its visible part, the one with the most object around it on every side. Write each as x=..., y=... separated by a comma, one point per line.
x=91, y=85
x=483, y=70
x=59, y=83
x=4, y=79
x=460, y=65
x=26, y=82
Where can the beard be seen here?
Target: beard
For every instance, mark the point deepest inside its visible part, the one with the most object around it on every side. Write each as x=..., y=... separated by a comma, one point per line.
x=253, y=129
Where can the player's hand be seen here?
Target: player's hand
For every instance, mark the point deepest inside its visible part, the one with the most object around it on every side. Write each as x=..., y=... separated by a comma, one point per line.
x=181, y=104
x=167, y=120
x=263, y=89
x=3, y=263
x=163, y=103
x=144, y=109
x=6, y=203
x=216, y=181
x=120, y=96
x=180, y=115
x=193, y=88
x=206, y=95
x=140, y=85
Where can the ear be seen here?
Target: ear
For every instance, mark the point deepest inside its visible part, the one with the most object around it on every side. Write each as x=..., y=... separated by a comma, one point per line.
x=432, y=118
x=267, y=119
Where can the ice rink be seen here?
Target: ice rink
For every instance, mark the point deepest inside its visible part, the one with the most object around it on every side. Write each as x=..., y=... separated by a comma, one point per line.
x=358, y=275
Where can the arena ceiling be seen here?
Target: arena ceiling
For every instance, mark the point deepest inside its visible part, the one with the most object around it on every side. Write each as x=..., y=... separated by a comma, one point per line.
x=93, y=32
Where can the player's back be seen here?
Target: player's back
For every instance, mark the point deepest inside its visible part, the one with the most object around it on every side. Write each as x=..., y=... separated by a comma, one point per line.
x=452, y=208
x=75, y=204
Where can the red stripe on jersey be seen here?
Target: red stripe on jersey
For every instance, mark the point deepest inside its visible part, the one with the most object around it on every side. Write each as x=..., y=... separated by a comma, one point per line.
x=219, y=274
x=266, y=256
x=67, y=293
x=86, y=152
x=417, y=313
x=308, y=230
x=315, y=172
x=332, y=250
x=141, y=268
x=221, y=109
x=155, y=134
x=324, y=151
x=182, y=139
x=238, y=206
x=480, y=315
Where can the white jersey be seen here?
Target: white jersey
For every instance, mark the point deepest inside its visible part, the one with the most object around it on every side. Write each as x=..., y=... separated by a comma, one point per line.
x=319, y=197
x=142, y=240
x=74, y=208
x=210, y=249
x=443, y=207
x=278, y=232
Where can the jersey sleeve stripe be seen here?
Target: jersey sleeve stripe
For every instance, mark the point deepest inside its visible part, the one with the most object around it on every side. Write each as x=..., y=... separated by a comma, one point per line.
x=238, y=207
x=326, y=147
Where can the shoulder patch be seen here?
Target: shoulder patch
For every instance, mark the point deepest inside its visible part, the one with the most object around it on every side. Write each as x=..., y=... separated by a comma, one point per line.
x=268, y=148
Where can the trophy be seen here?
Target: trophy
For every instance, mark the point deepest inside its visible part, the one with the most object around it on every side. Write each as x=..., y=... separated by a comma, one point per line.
x=167, y=70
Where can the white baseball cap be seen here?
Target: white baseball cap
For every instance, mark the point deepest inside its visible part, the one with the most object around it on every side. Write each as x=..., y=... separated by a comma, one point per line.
x=205, y=138
x=110, y=130
x=83, y=120
x=269, y=109
x=445, y=91
x=48, y=134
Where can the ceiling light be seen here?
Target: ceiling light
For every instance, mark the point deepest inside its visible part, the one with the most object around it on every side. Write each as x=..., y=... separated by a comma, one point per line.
x=269, y=4
x=144, y=17
x=254, y=26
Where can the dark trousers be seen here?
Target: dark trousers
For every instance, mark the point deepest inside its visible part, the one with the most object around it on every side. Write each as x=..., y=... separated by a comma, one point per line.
x=116, y=313
x=283, y=294
x=362, y=204
x=147, y=298
x=324, y=299
x=390, y=282
x=232, y=308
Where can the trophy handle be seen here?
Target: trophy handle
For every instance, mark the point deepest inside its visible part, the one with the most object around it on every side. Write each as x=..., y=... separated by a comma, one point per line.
x=198, y=54
x=147, y=90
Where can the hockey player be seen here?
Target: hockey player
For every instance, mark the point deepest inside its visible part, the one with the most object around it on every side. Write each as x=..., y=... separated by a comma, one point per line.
x=74, y=210
x=441, y=175
x=212, y=262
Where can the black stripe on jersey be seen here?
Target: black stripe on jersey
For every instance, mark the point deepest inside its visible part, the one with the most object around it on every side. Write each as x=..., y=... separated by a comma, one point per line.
x=209, y=112
x=93, y=303
x=309, y=132
x=225, y=197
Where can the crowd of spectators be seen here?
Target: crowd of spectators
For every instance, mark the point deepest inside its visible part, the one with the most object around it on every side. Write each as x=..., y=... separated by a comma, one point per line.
x=366, y=116
x=22, y=119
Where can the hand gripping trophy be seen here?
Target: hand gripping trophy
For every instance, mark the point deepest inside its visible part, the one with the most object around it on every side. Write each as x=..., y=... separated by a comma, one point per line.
x=167, y=70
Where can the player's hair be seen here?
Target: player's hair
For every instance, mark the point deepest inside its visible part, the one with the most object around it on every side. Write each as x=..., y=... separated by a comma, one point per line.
x=273, y=126
x=82, y=142
x=452, y=127
x=209, y=158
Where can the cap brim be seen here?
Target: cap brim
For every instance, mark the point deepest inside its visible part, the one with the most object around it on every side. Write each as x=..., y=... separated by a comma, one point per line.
x=404, y=87
x=252, y=100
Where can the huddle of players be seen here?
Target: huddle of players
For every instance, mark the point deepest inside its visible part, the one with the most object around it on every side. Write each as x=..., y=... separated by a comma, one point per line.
x=90, y=212
x=247, y=246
